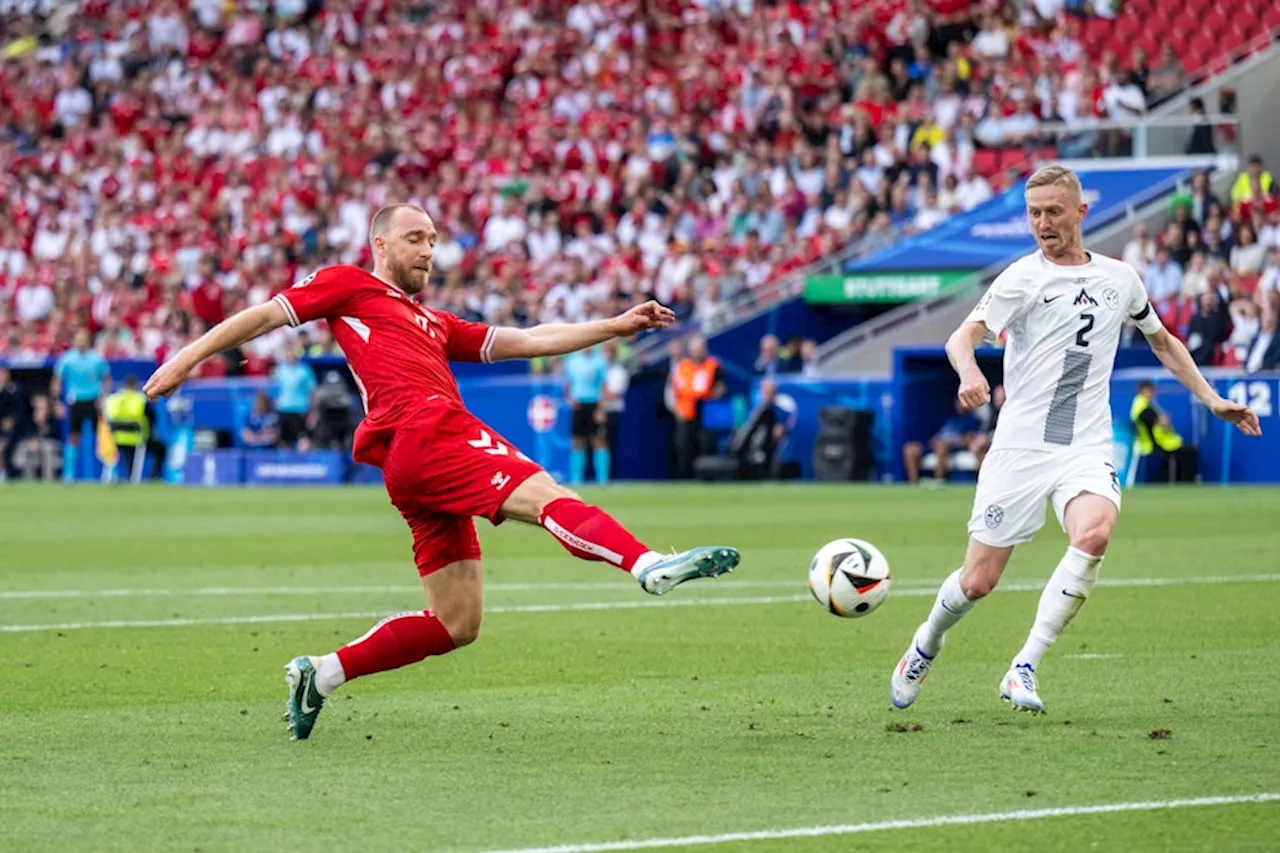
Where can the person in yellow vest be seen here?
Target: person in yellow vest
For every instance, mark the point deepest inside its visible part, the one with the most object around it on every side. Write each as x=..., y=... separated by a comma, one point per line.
x=1154, y=434
x=126, y=415
x=694, y=380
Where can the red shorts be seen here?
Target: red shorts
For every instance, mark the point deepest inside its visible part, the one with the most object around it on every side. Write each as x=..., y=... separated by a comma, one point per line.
x=443, y=468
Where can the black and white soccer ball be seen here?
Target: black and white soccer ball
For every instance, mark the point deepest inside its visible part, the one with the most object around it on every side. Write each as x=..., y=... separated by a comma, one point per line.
x=849, y=577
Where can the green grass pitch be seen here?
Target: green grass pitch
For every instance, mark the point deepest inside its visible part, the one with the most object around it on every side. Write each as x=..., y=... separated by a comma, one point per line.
x=143, y=634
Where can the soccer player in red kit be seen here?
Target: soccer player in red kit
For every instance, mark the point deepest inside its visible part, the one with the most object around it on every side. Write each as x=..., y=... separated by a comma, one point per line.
x=441, y=465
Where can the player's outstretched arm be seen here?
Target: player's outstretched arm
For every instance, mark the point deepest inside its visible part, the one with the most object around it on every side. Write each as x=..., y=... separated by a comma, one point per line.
x=1173, y=354
x=974, y=389
x=245, y=326
x=561, y=338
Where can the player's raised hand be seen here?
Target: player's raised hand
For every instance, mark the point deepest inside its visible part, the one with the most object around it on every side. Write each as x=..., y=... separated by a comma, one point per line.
x=641, y=318
x=1237, y=413
x=167, y=377
x=974, y=391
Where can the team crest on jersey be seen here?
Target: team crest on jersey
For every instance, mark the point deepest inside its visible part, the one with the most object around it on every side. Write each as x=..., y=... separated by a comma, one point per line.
x=1084, y=298
x=993, y=516
x=1112, y=297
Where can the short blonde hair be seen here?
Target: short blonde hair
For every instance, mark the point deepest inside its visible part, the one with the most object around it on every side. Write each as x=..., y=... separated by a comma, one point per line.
x=1056, y=176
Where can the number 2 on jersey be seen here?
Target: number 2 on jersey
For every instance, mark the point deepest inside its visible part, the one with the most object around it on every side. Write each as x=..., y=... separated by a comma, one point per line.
x=1085, y=329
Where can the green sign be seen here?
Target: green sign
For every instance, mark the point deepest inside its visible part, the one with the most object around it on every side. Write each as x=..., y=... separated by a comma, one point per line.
x=879, y=287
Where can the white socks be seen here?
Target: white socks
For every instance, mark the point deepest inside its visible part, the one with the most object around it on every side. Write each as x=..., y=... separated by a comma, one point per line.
x=1062, y=597
x=329, y=673
x=645, y=561
x=947, y=610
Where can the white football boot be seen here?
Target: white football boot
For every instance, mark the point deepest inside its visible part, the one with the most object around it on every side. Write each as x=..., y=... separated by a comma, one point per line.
x=1018, y=688
x=909, y=675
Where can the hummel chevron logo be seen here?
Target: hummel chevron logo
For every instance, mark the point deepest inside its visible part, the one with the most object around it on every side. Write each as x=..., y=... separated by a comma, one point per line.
x=486, y=443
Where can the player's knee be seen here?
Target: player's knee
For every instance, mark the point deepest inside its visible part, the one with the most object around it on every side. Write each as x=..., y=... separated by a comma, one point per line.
x=912, y=450
x=463, y=624
x=977, y=585
x=1094, y=538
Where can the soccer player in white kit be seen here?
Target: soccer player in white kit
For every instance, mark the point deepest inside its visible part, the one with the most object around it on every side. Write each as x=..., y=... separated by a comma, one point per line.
x=1063, y=308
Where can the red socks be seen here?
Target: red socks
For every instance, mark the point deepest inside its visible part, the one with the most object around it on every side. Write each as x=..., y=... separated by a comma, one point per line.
x=395, y=642
x=590, y=533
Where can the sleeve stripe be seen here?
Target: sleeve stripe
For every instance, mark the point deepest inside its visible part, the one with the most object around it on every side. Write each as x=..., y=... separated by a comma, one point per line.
x=292, y=315
x=487, y=344
x=1141, y=315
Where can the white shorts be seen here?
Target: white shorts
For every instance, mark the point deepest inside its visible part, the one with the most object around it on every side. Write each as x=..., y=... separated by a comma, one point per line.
x=1008, y=508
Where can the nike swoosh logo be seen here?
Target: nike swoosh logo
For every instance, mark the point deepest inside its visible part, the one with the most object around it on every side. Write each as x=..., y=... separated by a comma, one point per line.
x=1070, y=595
x=1047, y=300
x=306, y=688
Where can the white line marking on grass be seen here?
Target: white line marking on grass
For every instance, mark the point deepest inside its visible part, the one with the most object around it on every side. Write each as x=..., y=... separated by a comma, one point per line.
x=372, y=614
x=634, y=604
x=554, y=586
x=1091, y=657
x=883, y=826
x=911, y=587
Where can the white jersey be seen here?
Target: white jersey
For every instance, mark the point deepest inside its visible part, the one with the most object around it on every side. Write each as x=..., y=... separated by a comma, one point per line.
x=1064, y=325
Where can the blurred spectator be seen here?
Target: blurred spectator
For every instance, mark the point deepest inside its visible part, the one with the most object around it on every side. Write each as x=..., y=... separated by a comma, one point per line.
x=1141, y=250
x=757, y=444
x=1254, y=176
x=1264, y=350
x=331, y=411
x=694, y=380
x=769, y=361
x=1155, y=435
x=294, y=383
x=962, y=431
x=1164, y=280
x=1247, y=255
x=13, y=417
x=617, y=381
x=1208, y=328
x=262, y=426
x=39, y=448
x=1200, y=137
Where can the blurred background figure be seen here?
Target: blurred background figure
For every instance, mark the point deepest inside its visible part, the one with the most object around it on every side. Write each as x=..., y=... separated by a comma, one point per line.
x=584, y=378
x=39, y=450
x=1155, y=436
x=129, y=421
x=331, y=412
x=294, y=382
x=261, y=428
x=13, y=417
x=758, y=444
x=695, y=380
x=962, y=431
x=77, y=381
x=613, y=403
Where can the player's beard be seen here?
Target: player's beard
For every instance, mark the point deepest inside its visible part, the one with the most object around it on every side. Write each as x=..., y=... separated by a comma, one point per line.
x=410, y=279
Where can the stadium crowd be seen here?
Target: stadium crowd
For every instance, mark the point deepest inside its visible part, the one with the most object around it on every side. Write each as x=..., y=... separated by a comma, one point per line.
x=1213, y=273
x=167, y=163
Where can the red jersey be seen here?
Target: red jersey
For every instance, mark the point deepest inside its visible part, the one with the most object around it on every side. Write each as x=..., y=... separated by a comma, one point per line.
x=398, y=351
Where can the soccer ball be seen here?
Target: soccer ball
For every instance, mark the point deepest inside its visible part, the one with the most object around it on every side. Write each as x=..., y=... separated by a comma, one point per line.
x=849, y=577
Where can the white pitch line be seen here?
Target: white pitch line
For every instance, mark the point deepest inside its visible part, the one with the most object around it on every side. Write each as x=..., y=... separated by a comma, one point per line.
x=639, y=603
x=1090, y=656
x=900, y=587
x=888, y=825
x=373, y=614
x=533, y=586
